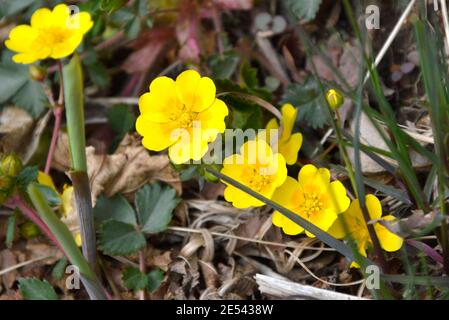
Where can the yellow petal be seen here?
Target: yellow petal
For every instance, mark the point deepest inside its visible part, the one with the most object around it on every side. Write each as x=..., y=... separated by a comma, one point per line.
x=80, y=22
x=338, y=198
x=46, y=180
x=289, y=114
x=388, y=240
x=21, y=39
x=60, y=15
x=284, y=195
x=67, y=198
x=287, y=225
x=324, y=219
x=41, y=18
x=291, y=148
x=337, y=230
x=374, y=207
x=67, y=47
x=156, y=136
x=213, y=117
x=241, y=199
x=195, y=92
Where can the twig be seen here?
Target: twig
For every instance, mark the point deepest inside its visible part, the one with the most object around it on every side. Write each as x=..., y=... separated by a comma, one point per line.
x=285, y=289
x=22, y=264
x=143, y=270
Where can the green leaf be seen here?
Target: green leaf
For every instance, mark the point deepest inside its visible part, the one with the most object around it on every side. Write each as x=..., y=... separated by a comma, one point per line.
x=13, y=7
x=132, y=28
x=98, y=74
x=120, y=239
x=51, y=195
x=121, y=121
x=31, y=97
x=155, y=205
x=26, y=176
x=10, y=230
x=309, y=100
x=155, y=279
x=34, y=289
x=134, y=279
x=115, y=208
x=112, y=5
x=249, y=75
x=12, y=78
x=58, y=270
x=304, y=10
x=223, y=65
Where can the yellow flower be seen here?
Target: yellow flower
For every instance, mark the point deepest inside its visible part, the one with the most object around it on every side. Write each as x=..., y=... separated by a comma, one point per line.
x=313, y=197
x=182, y=115
x=288, y=144
x=51, y=34
x=353, y=222
x=69, y=215
x=257, y=168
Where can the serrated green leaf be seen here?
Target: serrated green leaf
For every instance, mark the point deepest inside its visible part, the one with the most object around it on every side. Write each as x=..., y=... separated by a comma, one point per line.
x=155, y=279
x=134, y=279
x=155, y=205
x=120, y=239
x=115, y=208
x=58, y=270
x=309, y=101
x=304, y=10
x=35, y=289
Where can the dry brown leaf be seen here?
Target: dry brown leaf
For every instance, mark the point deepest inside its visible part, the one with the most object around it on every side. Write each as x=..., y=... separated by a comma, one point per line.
x=125, y=171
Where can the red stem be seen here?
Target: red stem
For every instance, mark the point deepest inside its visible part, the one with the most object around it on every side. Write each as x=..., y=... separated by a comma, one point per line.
x=17, y=203
x=57, y=111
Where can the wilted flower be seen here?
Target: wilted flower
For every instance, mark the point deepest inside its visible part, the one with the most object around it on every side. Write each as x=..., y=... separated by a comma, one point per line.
x=313, y=197
x=352, y=224
x=183, y=116
x=256, y=167
x=288, y=144
x=51, y=34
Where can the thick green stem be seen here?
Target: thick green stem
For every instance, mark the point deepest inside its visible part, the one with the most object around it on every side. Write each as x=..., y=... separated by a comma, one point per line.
x=74, y=100
x=65, y=238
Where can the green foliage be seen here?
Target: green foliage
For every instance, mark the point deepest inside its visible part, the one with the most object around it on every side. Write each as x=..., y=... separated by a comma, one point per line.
x=223, y=65
x=34, y=289
x=115, y=208
x=155, y=278
x=58, y=270
x=121, y=121
x=120, y=239
x=304, y=10
x=309, y=99
x=112, y=5
x=19, y=88
x=10, y=230
x=155, y=205
x=120, y=233
x=134, y=279
x=26, y=176
x=51, y=195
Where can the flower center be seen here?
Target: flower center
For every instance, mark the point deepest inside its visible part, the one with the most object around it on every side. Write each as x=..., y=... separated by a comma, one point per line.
x=258, y=181
x=312, y=203
x=183, y=116
x=52, y=36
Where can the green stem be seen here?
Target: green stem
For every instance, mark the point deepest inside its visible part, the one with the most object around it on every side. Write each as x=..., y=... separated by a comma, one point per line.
x=65, y=238
x=74, y=100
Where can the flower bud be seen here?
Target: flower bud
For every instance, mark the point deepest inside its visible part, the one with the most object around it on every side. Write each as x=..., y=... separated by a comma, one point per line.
x=5, y=184
x=334, y=99
x=11, y=165
x=29, y=230
x=37, y=73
